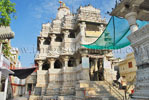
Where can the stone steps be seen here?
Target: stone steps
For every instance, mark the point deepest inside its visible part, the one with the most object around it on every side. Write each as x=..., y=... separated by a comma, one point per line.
x=93, y=90
x=103, y=89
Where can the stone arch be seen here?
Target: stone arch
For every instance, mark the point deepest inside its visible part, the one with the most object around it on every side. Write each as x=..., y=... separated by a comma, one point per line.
x=57, y=64
x=71, y=62
x=45, y=66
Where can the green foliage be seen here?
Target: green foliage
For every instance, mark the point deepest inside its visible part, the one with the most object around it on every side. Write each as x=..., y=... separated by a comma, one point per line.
x=5, y=48
x=6, y=9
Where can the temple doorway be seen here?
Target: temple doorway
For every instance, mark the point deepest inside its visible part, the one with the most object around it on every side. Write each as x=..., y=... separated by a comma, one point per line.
x=96, y=74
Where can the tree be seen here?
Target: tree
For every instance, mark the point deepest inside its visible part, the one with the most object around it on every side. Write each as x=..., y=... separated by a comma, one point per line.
x=6, y=9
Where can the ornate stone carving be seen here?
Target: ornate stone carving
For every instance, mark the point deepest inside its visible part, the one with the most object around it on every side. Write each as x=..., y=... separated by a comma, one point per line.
x=140, y=44
x=51, y=61
x=66, y=33
x=53, y=37
x=66, y=59
x=82, y=28
x=41, y=40
x=40, y=63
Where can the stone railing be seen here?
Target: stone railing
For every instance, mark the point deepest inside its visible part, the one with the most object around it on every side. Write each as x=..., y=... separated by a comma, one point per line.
x=65, y=74
x=68, y=46
x=55, y=48
x=44, y=49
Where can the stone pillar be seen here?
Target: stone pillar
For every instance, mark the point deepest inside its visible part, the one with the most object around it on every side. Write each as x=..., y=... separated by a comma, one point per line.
x=85, y=68
x=101, y=28
x=131, y=17
x=66, y=33
x=53, y=37
x=6, y=88
x=65, y=41
x=40, y=63
x=77, y=62
x=92, y=71
x=41, y=40
x=96, y=67
x=66, y=59
x=140, y=44
x=82, y=31
x=51, y=62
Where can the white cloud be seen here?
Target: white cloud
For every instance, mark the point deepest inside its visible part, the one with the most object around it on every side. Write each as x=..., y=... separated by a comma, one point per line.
x=46, y=8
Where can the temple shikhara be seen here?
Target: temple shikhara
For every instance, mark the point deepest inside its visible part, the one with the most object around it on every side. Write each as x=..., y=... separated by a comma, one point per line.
x=67, y=70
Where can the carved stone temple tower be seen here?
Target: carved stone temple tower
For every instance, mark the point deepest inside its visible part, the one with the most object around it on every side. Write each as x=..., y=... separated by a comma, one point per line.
x=65, y=67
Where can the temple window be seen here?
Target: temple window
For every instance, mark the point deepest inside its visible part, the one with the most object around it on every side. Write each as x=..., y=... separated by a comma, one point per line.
x=71, y=35
x=71, y=62
x=57, y=64
x=46, y=42
x=45, y=66
x=130, y=64
x=58, y=38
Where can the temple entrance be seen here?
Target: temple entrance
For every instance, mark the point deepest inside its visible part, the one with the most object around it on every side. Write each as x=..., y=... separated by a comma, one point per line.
x=96, y=69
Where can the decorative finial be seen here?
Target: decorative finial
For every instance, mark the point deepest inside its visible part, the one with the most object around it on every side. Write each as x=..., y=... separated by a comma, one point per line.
x=64, y=5
x=60, y=3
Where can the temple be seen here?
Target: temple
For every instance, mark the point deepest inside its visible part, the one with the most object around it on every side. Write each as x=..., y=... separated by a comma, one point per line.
x=67, y=70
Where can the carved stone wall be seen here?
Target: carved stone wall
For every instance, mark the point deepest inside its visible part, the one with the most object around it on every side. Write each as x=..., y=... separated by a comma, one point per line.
x=71, y=29
x=42, y=78
x=140, y=44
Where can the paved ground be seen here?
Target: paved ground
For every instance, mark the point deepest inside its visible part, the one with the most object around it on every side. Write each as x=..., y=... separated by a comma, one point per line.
x=19, y=98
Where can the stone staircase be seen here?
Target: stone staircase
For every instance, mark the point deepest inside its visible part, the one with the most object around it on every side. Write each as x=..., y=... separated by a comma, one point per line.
x=84, y=90
x=101, y=90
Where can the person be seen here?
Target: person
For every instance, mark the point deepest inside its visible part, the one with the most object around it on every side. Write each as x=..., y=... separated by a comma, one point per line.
x=29, y=92
x=124, y=83
x=119, y=83
x=132, y=91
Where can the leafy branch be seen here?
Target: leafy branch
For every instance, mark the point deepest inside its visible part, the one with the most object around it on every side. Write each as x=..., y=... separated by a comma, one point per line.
x=6, y=9
x=5, y=48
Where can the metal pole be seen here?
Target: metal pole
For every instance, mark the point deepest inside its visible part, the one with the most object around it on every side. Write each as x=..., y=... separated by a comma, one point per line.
x=6, y=86
x=1, y=45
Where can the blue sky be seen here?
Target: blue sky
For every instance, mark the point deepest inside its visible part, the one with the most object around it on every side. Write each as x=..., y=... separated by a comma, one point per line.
x=32, y=13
